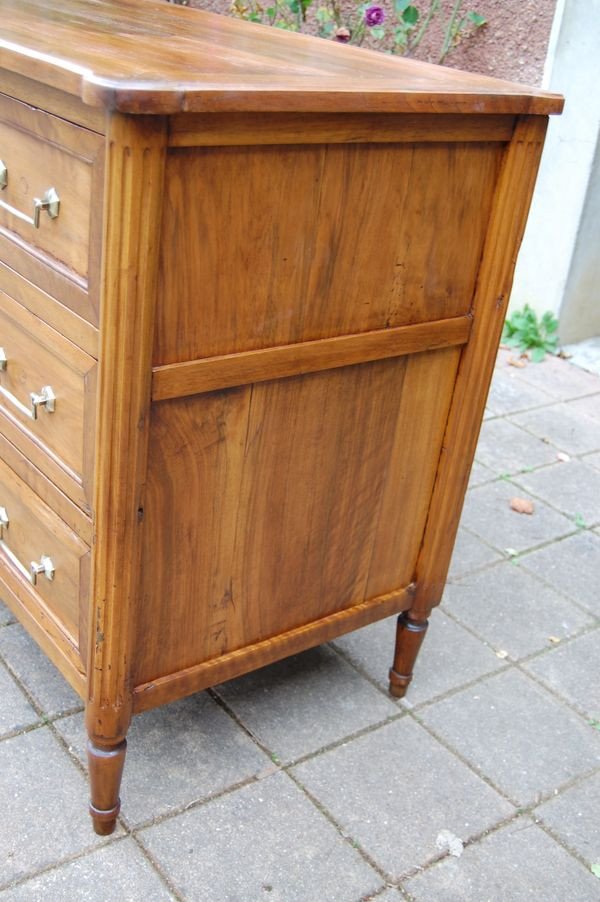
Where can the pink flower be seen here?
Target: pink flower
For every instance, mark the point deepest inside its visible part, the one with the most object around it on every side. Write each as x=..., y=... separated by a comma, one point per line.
x=342, y=35
x=374, y=15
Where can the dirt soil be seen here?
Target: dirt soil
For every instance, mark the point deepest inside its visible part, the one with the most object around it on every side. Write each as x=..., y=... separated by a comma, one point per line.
x=511, y=45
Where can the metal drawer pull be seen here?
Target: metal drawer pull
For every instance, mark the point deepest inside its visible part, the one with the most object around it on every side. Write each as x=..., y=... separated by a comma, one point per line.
x=44, y=565
x=50, y=202
x=46, y=398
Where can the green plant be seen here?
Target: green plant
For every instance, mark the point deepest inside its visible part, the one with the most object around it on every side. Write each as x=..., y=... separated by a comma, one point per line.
x=398, y=31
x=524, y=331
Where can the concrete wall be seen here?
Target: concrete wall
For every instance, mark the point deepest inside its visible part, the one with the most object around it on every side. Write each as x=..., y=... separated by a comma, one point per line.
x=558, y=267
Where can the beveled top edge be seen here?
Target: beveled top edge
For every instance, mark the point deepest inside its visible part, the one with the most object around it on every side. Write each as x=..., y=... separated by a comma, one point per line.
x=148, y=56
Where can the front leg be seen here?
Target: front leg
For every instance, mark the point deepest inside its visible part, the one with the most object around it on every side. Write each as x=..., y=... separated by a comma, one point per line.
x=409, y=636
x=106, y=769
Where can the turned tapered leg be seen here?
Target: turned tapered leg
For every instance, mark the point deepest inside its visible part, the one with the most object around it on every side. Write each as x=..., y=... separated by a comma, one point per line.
x=106, y=770
x=409, y=636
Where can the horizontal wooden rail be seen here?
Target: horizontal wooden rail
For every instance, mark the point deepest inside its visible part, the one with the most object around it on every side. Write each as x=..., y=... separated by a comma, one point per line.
x=177, y=380
x=243, y=660
x=221, y=129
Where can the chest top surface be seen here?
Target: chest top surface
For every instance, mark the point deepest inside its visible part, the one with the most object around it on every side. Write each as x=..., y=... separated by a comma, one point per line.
x=148, y=56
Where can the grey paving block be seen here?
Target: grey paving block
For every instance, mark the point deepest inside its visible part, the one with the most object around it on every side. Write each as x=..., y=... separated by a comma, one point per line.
x=6, y=616
x=393, y=790
x=506, y=448
x=593, y=459
x=305, y=702
x=518, y=863
x=15, y=711
x=517, y=735
x=509, y=394
x=573, y=816
x=560, y=379
x=573, y=670
x=37, y=673
x=590, y=406
x=177, y=754
x=450, y=657
x=44, y=806
x=480, y=474
x=573, y=487
x=564, y=427
x=512, y=610
x=265, y=841
x=487, y=513
x=392, y=894
x=572, y=566
x=469, y=554
x=118, y=871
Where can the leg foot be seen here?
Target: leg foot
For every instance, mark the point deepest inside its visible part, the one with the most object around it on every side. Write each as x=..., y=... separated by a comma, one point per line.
x=409, y=636
x=106, y=770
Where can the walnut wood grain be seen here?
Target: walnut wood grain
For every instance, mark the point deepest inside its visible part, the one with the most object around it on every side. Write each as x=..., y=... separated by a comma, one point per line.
x=233, y=664
x=195, y=376
x=223, y=129
x=370, y=237
x=142, y=57
x=505, y=231
x=136, y=153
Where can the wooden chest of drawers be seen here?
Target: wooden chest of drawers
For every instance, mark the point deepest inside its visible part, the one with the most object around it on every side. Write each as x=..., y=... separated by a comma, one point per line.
x=251, y=289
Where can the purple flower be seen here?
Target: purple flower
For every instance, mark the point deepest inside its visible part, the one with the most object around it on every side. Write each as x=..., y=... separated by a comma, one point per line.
x=374, y=15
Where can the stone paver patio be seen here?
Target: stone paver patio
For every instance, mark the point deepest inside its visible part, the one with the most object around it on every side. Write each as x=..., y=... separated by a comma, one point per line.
x=306, y=781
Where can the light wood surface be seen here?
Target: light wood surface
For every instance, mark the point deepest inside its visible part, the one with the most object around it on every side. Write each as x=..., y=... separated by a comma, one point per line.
x=140, y=57
x=195, y=376
x=269, y=315
x=369, y=237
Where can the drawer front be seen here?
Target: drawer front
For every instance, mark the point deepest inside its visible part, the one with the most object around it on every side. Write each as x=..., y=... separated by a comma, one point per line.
x=50, y=202
x=34, y=538
x=46, y=395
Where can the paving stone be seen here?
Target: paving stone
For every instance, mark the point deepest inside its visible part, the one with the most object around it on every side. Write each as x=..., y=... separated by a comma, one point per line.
x=573, y=487
x=509, y=394
x=571, y=566
x=394, y=789
x=118, y=871
x=560, y=379
x=513, y=611
x=564, y=427
x=469, y=554
x=572, y=670
x=389, y=895
x=15, y=711
x=37, y=673
x=593, y=459
x=177, y=754
x=517, y=735
x=519, y=863
x=480, y=474
x=487, y=513
x=6, y=616
x=507, y=449
x=44, y=806
x=590, y=406
x=573, y=816
x=451, y=656
x=265, y=841
x=305, y=702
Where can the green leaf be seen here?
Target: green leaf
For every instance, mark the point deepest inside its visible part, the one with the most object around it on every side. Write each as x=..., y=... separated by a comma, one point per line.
x=595, y=869
x=537, y=355
x=400, y=5
x=378, y=32
x=476, y=19
x=595, y=724
x=579, y=521
x=410, y=15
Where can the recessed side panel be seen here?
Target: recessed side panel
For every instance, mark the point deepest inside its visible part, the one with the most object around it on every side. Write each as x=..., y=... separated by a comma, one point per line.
x=272, y=245
x=282, y=503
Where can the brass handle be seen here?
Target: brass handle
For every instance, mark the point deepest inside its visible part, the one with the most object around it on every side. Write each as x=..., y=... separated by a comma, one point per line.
x=44, y=565
x=50, y=202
